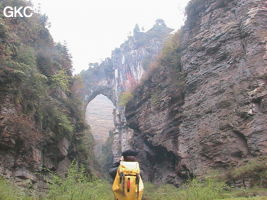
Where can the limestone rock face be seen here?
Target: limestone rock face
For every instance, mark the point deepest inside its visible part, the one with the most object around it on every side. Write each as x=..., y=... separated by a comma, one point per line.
x=155, y=115
x=122, y=73
x=23, y=149
x=63, y=146
x=216, y=118
x=40, y=121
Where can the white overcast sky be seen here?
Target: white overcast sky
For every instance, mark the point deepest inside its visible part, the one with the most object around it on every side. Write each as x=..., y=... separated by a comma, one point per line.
x=93, y=28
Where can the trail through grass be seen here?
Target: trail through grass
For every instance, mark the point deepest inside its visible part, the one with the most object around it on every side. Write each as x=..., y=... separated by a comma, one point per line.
x=77, y=186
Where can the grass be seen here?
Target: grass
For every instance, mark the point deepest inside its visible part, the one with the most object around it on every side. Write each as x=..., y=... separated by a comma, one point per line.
x=77, y=186
x=9, y=192
x=254, y=170
x=202, y=190
x=194, y=190
x=245, y=193
x=252, y=198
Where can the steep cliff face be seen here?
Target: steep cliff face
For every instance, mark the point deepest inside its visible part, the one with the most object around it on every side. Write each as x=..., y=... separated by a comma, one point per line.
x=211, y=114
x=117, y=76
x=155, y=114
x=41, y=127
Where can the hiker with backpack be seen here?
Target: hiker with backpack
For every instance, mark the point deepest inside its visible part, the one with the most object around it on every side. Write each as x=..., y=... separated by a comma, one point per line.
x=127, y=184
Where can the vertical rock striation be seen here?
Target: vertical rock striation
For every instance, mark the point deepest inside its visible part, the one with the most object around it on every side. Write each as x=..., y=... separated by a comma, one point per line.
x=216, y=117
x=41, y=126
x=121, y=74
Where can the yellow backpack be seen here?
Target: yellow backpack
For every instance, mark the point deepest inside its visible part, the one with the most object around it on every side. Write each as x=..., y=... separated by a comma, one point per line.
x=128, y=184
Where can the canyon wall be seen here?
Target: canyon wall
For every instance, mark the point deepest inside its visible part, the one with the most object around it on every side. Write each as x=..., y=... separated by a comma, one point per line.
x=210, y=113
x=117, y=76
x=41, y=126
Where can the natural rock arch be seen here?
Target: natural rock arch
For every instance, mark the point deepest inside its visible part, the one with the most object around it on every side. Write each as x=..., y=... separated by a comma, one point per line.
x=98, y=80
x=121, y=73
x=104, y=90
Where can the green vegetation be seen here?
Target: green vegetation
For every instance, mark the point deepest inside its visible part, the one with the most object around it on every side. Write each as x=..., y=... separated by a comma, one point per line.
x=254, y=170
x=202, y=190
x=36, y=75
x=84, y=144
x=76, y=185
x=3, y=31
x=124, y=98
x=61, y=80
x=193, y=190
x=170, y=55
x=252, y=198
x=26, y=55
x=155, y=99
x=10, y=192
x=55, y=119
x=105, y=158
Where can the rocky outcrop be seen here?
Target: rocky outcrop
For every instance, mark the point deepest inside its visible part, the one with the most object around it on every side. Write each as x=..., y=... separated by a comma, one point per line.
x=212, y=114
x=122, y=73
x=24, y=149
x=41, y=126
x=155, y=114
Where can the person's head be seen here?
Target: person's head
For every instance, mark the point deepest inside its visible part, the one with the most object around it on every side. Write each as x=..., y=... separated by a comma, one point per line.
x=129, y=155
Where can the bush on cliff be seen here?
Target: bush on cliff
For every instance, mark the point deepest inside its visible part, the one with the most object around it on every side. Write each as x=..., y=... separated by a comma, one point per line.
x=170, y=55
x=124, y=98
x=36, y=78
x=61, y=80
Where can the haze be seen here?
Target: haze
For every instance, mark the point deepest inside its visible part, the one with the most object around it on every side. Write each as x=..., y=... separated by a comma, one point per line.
x=93, y=28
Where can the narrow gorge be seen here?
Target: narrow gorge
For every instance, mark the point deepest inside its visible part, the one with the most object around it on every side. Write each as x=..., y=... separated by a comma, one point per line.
x=117, y=77
x=201, y=102
x=191, y=101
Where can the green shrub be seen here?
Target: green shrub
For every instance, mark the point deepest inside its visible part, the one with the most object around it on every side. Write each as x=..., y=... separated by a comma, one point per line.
x=77, y=186
x=29, y=84
x=3, y=32
x=52, y=117
x=124, y=98
x=61, y=80
x=155, y=99
x=254, y=170
x=26, y=55
x=170, y=55
x=65, y=125
x=85, y=147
